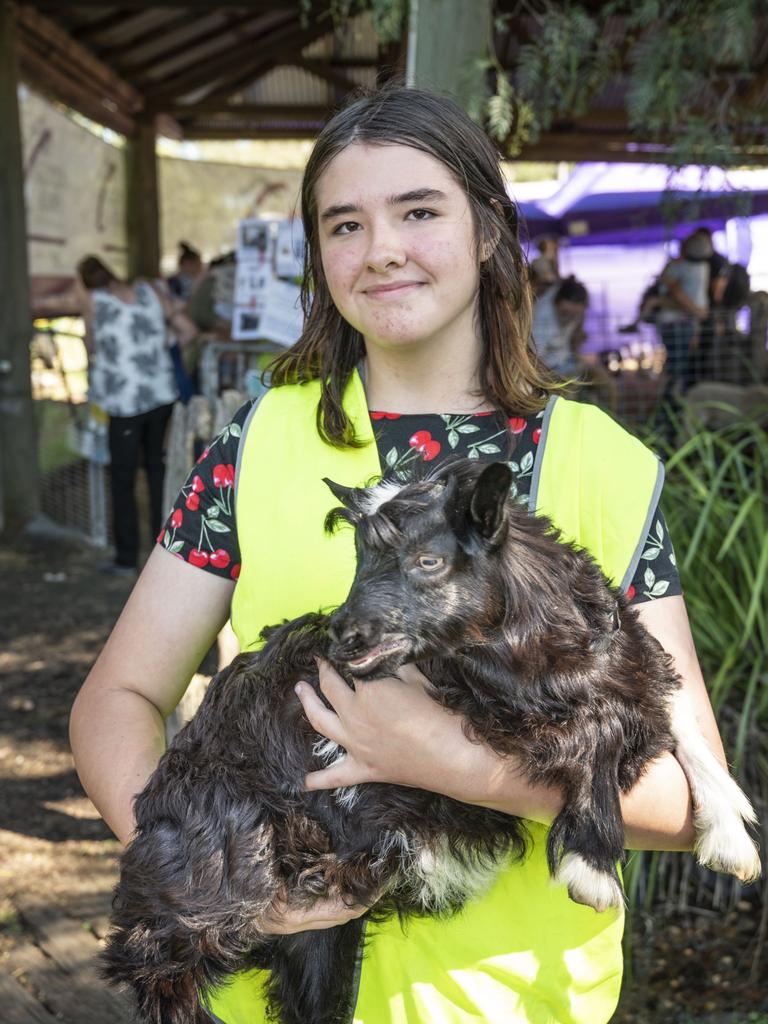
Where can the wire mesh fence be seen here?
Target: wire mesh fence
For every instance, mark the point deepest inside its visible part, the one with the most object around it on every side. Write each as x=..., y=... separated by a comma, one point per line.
x=624, y=368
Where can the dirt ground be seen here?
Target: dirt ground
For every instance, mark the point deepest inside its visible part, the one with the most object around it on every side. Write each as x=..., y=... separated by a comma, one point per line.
x=55, y=612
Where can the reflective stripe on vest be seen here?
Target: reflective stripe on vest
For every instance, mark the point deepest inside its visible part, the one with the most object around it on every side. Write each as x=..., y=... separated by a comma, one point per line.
x=524, y=953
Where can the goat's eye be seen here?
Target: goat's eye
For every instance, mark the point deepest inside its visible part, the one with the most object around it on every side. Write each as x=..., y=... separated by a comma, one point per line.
x=429, y=562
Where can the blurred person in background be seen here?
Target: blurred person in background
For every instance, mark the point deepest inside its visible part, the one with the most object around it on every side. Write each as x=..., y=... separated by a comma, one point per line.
x=190, y=270
x=181, y=289
x=131, y=377
x=729, y=289
x=545, y=270
x=684, y=290
x=558, y=325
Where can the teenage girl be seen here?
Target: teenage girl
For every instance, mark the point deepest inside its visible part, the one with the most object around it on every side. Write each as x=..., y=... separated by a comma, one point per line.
x=416, y=346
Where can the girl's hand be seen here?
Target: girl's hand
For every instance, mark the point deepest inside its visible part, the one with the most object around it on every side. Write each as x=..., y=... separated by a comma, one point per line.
x=394, y=732
x=285, y=920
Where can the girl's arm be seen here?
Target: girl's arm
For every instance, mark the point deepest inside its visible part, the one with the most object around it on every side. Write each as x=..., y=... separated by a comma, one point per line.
x=394, y=732
x=117, y=727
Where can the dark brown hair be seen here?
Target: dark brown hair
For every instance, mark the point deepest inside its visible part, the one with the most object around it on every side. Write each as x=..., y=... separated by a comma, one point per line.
x=95, y=274
x=511, y=376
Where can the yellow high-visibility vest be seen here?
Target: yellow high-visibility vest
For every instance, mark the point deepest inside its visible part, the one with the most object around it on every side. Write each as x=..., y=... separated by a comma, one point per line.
x=524, y=953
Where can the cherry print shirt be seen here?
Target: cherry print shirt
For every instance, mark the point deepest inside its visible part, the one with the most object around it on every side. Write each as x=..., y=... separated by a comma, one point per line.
x=201, y=527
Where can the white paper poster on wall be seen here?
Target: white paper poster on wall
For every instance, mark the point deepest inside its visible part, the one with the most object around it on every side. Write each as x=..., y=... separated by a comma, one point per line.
x=289, y=250
x=275, y=315
x=256, y=241
x=251, y=280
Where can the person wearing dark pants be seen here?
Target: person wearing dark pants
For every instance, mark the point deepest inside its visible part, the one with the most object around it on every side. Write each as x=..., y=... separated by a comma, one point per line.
x=130, y=438
x=131, y=378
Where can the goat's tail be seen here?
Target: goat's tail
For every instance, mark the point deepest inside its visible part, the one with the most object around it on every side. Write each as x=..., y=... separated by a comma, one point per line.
x=314, y=974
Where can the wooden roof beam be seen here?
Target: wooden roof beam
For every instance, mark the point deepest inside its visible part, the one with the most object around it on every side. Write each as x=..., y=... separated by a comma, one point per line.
x=141, y=5
x=43, y=36
x=269, y=50
x=205, y=72
x=265, y=132
x=338, y=63
x=45, y=76
x=103, y=24
x=277, y=56
x=147, y=36
x=137, y=67
x=756, y=87
x=257, y=111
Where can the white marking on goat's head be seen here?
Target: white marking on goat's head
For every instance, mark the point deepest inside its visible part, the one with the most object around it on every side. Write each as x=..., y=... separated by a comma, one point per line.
x=372, y=498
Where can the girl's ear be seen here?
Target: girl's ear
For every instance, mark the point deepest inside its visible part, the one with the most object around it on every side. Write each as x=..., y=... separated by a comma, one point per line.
x=488, y=247
x=486, y=509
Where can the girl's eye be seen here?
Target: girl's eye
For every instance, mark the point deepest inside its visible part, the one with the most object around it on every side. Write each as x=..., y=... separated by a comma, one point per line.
x=421, y=214
x=346, y=228
x=430, y=562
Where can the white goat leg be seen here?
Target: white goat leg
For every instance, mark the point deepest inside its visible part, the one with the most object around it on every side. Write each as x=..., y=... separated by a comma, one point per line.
x=587, y=884
x=720, y=806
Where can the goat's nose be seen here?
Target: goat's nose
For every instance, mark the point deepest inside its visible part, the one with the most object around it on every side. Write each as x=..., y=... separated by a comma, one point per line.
x=347, y=631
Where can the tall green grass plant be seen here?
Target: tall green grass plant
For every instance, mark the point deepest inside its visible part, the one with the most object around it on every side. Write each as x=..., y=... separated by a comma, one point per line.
x=716, y=505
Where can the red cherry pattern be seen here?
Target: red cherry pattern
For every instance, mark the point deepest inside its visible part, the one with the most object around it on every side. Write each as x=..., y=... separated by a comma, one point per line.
x=220, y=558
x=223, y=476
x=423, y=442
x=208, y=494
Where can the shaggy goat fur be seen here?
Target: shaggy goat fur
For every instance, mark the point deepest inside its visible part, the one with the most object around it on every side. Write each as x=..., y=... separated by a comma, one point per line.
x=521, y=635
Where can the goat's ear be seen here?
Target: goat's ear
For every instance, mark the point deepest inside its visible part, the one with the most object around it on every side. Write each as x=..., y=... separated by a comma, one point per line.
x=486, y=508
x=346, y=495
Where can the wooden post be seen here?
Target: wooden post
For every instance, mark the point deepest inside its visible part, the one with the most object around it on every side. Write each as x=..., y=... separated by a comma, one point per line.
x=142, y=206
x=446, y=41
x=19, y=478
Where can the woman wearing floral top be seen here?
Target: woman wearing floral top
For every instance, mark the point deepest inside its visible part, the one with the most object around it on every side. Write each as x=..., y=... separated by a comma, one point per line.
x=131, y=377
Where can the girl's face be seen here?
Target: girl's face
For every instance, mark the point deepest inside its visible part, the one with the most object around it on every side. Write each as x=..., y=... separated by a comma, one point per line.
x=397, y=244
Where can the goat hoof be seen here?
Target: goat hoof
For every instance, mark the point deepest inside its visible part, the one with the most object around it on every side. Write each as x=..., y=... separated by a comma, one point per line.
x=589, y=885
x=730, y=851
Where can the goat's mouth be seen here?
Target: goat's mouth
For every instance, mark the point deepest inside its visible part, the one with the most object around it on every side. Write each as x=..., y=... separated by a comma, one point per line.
x=390, y=649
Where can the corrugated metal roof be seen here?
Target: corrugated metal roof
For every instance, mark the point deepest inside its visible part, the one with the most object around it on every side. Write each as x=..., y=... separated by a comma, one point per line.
x=290, y=86
x=198, y=63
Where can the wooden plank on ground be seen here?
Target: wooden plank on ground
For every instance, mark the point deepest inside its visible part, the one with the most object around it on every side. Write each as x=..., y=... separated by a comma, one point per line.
x=71, y=997
x=92, y=909
x=70, y=955
x=19, y=1006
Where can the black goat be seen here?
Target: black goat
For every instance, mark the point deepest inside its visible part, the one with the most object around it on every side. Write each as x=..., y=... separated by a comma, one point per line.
x=521, y=635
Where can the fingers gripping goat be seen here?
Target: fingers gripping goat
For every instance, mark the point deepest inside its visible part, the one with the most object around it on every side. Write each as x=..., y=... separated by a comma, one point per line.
x=519, y=633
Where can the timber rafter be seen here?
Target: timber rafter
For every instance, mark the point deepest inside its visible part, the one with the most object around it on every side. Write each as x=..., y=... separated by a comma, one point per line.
x=202, y=68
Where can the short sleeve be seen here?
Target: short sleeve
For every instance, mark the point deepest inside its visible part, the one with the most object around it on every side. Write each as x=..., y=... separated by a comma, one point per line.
x=201, y=528
x=656, y=574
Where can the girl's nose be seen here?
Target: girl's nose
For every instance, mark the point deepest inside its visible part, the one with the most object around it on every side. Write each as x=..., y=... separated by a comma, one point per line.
x=385, y=251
